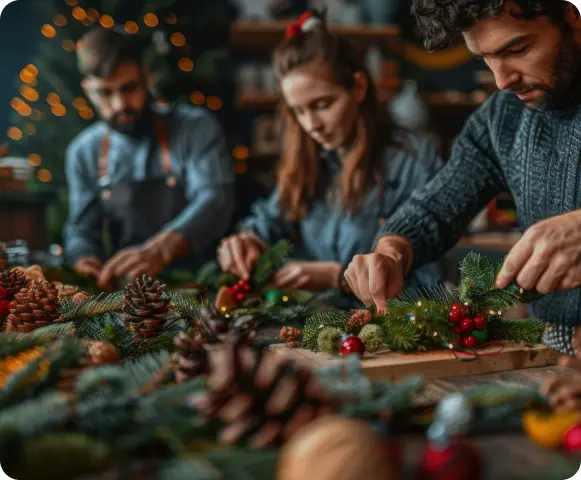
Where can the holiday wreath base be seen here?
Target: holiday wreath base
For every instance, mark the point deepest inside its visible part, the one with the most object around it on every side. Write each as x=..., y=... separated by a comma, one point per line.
x=395, y=366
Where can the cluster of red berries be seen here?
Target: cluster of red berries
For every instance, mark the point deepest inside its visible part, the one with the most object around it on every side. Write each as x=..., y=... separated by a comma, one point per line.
x=471, y=330
x=4, y=303
x=239, y=290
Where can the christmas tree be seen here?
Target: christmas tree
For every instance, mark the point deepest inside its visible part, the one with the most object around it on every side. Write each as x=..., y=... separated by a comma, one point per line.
x=184, y=45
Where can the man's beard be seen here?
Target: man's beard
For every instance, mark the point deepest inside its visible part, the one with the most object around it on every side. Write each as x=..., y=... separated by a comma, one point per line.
x=566, y=92
x=138, y=126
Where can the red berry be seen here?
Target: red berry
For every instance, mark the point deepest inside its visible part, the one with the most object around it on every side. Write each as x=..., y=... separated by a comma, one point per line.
x=246, y=288
x=4, y=307
x=572, y=440
x=352, y=344
x=479, y=322
x=458, y=329
x=231, y=292
x=235, y=288
x=467, y=325
x=3, y=293
x=456, y=313
x=470, y=341
x=240, y=297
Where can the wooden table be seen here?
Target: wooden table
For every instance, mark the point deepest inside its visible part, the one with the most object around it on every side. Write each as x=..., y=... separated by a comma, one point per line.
x=507, y=456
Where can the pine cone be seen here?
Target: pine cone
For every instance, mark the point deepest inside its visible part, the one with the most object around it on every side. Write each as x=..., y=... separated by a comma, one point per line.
x=291, y=336
x=103, y=353
x=191, y=358
x=262, y=396
x=33, y=307
x=358, y=320
x=212, y=325
x=12, y=281
x=145, y=306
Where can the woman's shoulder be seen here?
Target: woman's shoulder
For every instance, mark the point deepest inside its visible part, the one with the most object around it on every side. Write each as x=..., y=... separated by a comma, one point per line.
x=412, y=152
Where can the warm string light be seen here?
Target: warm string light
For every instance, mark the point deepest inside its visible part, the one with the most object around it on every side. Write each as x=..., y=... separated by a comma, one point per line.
x=197, y=98
x=37, y=115
x=53, y=99
x=34, y=160
x=30, y=129
x=44, y=175
x=177, y=39
x=79, y=13
x=131, y=27
x=171, y=19
x=59, y=110
x=93, y=15
x=151, y=20
x=60, y=20
x=48, y=30
x=186, y=64
x=71, y=3
x=214, y=103
x=240, y=152
x=107, y=21
x=69, y=45
x=14, y=133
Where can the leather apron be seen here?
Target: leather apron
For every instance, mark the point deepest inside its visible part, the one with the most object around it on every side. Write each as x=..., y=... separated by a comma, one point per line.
x=136, y=211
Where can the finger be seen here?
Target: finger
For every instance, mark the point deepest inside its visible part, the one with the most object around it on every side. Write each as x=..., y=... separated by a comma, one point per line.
x=351, y=280
x=286, y=277
x=395, y=281
x=129, y=263
x=142, y=268
x=300, y=282
x=378, y=283
x=549, y=281
x=224, y=258
x=91, y=271
x=515, y=260
x=363, y=284
x=252, y=256
x=237, y=250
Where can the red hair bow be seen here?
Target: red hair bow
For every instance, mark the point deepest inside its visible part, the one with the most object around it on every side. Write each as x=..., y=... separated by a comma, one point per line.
x=296, y=28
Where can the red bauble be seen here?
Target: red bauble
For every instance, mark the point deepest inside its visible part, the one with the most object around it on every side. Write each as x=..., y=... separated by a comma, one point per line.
x=467, y=325
x=4, y=307
x=470, y=341
x=456, y=313
x=3, y=293
x=572, y=440
x=240, y=297
x=479, y=322
x=352, y=345
x=458, y=329
x=459, y=461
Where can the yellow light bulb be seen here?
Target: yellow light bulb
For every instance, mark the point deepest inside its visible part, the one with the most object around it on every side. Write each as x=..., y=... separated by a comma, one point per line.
x=107, y=21
x=48, y=30
x=131, y=27
x=14, y=133
x=150, y=19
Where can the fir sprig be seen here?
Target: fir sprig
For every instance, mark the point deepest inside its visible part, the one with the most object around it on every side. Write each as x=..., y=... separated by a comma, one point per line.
x=188, y=309
x=524, y=330
x=98, y=305
x=315, y=323
x=269, y=262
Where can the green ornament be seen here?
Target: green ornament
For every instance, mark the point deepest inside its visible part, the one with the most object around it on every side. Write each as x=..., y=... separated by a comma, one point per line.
x=481, y=336
x=372, y=337
x=329, y=340
x=274, y=296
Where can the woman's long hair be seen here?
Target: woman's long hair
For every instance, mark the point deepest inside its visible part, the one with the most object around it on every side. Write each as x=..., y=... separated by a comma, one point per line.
x=299, y=163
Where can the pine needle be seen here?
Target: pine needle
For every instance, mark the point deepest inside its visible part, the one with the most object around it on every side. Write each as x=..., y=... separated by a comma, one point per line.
x=524, y=330
x=186, y=308
x=315, y=323
x=99, y=305
x=270, y=261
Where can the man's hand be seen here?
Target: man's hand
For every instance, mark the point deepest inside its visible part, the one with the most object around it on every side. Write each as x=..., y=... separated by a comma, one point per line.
x=379, y=276
x=547, y=257
x=564, y=391
x=149, y=259
x=312, y=276
x=88, y=266
x=238, y=253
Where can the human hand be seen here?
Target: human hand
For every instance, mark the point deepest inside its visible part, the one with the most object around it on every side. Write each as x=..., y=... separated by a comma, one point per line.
x=238, y=253
x=311, y=276
x=564, y=391
x=130, y=263
x=88, y=266
x=547, y=257
x=377, y=277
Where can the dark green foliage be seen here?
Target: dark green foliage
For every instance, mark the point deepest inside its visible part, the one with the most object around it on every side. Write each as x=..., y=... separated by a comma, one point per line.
x=528, y=330
x=99, y=305
x=269, y=262
x=315, y=323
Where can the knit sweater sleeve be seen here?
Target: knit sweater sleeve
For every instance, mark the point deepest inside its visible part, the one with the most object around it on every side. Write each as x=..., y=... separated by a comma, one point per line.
x=436, y=216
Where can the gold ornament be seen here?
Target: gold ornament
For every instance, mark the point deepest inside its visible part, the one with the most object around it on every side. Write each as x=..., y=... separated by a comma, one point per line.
x=336, y=448
x=224, y=300
x=103, y=353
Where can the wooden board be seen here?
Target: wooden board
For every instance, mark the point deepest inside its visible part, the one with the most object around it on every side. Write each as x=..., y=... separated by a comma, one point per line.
x=395, y=366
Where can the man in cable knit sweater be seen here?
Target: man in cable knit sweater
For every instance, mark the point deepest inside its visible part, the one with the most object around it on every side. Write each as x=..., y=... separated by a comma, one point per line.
x=525, y=139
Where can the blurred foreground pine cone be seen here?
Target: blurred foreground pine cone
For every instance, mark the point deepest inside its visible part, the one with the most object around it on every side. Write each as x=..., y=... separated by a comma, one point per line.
x=103, y=353
x=12, y=280
x=190, y=358
x=263, y=397
x=33, y=307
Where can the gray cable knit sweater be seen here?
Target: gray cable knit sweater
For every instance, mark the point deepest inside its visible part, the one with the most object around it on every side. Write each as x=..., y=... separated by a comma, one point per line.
x=534, y=154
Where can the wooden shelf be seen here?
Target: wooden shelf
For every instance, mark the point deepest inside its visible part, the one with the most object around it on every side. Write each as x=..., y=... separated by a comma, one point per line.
x=259, y=36
x=496, y=241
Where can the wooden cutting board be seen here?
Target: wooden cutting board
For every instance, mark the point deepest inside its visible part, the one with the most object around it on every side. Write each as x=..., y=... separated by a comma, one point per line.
x=394, y=366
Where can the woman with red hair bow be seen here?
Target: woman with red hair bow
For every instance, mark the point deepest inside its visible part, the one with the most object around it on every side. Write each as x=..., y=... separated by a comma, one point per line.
x=344, y=167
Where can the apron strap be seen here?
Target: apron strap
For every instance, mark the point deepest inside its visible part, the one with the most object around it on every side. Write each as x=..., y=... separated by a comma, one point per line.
x=161, y=136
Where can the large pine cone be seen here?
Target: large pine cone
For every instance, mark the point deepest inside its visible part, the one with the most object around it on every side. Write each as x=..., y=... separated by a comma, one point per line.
x=215, y=327
x=146, y=307
x=191, y=357
x=262, y=397
x=12, y=280
x=33, y=307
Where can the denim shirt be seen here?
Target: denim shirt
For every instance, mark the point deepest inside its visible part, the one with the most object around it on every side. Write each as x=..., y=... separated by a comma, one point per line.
x=200, y=161
x=326, y=234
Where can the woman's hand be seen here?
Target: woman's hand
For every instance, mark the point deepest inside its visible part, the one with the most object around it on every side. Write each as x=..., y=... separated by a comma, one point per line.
x=238, y=253
x=312, y=276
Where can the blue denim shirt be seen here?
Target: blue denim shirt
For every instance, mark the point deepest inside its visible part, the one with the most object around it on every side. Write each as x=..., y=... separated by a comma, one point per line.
x=328, y=235
x=200, y=160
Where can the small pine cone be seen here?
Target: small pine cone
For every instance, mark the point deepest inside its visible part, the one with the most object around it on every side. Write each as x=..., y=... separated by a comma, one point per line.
x=191, y=358
x=12, y=281
x=225, y=301
x=33, y=307
x=65, y=291
x=146, y=307
x=291, y=336
x=358, y=320
x=80, y=297
x=103, y=353
x=273, y=397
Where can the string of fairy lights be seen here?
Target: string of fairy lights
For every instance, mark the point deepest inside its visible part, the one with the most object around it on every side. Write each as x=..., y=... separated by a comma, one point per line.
x=24, y=104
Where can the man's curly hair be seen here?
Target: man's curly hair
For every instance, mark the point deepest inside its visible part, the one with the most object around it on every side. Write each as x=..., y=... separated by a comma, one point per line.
x=441, y=21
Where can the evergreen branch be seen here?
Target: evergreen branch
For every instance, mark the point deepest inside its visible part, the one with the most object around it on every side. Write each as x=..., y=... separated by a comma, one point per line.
x=49, y=332
x=315, y=323
x=525, y=330
x=402, y=336
x=269, y=262
x=99, y=305
x=12, y=343
x=188, y=309
x=140, y=371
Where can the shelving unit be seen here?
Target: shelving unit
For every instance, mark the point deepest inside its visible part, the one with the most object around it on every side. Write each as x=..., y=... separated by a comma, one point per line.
x=262, y=37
